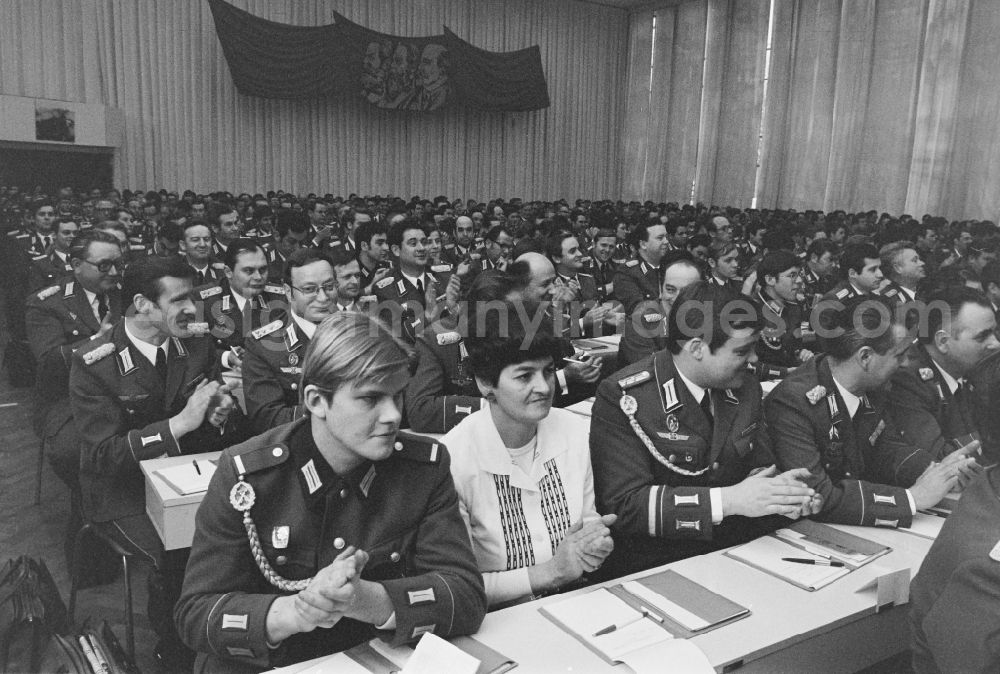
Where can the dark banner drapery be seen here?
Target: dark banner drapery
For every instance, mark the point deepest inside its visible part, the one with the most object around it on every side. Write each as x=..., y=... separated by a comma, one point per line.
x=275, y=60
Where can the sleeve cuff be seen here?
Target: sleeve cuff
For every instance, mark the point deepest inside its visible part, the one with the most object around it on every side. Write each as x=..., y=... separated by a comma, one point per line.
x=715, y=496
x=561, y=378
x=913, y=504
x=389, y=624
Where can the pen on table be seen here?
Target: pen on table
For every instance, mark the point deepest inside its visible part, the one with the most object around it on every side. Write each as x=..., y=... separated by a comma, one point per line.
x=195, y=462
x=646, y=613
x=817, y=562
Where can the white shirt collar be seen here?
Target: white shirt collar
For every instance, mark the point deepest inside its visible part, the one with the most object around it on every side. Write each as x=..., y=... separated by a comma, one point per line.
x=851, y=401
x=61, y=256
x=413, y=279
x=912, y=294
x=145, y=348
x=948, y=379
x=856, y=289
x=240, y=300
x=697, y=391
x=307, y=327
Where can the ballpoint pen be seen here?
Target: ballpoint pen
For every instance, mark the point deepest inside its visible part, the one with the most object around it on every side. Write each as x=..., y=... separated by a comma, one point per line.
x=816, y=562
x=646, y=613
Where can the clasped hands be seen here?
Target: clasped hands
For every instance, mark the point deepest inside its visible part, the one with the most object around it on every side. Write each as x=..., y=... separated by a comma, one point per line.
x=333, y=592
x=768, y=492
x=210, y=401
x=583, y=550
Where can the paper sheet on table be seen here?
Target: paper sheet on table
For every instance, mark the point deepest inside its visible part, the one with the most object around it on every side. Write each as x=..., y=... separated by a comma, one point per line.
x=675, y=655
x=336, y=665
x=185, y=479
x=766, y=554
x=594, y=611
x=819, y=549
x=678, y=614
x=926, y=525
x=434, y=655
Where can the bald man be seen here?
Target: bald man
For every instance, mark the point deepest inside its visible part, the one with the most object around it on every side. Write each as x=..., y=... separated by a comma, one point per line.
x=720, y=229
x=462, y=248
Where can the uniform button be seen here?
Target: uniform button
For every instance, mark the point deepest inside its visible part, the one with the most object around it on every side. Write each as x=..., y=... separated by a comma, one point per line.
x=343, y=493
x=398, y=446
x=715, y=466
x=295, y=386
x=672, y=458
x=847, y=474
x=277, y=451
x=688, y=458
x=280, y=561
x=394, y=557
x=339, y=543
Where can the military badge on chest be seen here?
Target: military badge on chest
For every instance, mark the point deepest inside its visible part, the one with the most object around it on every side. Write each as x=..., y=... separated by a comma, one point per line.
x=673, y=425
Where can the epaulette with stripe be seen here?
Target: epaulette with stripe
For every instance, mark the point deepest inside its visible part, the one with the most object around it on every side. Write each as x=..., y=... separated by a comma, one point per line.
x=631, y=263
x=260, y=458
x=266, y=330
x=419, y=448
x=48, y=292
x=387, y=281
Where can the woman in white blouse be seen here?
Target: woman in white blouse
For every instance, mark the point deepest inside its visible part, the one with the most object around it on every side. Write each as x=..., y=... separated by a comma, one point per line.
x=522, y=469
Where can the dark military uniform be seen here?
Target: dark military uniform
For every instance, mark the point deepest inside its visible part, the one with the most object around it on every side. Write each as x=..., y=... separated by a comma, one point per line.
x=275, y=266
x=227, y=324
x=443, y=391
x=272, y=367
x=368, y=275
x=19, y=247
x=636, y=281
x=928, y=415
x=841, y=292
x=894, y=292
x=643, y=334
x=48, y=269
x=852, y=462
x=604, y=276
x=398, y=290
x=815, y=285
x=403, y=511
x=59, y=321
x=986, y=386
x=780, y=339
x=122, y=408
x=210, y=273
x=955, y=598
x=663, y=514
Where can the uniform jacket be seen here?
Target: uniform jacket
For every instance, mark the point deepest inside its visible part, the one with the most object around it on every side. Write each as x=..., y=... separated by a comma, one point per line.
x=924, y=409
x=643, y=333
x=780, y=339
x=47, y=269
x=443, y=391
x=272, y=368
x=226, y=323
x=955, y=598
x=604, y=276
x=636, y=281
x=860, y=467
x=403, y=511
x=986, y=385
x=652, y=502
x=122, y=410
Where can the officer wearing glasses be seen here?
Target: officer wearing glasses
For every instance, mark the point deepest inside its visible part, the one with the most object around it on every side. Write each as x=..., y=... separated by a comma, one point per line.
x=272, y=360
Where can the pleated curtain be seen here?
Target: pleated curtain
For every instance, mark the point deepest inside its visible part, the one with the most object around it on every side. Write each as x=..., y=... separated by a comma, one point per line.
x=187, y=127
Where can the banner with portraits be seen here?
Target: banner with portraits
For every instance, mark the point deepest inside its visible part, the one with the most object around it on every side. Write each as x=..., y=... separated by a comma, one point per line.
x=274, y=60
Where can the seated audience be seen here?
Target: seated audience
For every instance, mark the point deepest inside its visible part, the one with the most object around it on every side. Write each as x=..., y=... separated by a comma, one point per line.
x=325, y=532
x=521, y=468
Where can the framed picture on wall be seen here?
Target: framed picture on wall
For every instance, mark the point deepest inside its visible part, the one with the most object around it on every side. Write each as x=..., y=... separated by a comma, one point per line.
x=56, y=124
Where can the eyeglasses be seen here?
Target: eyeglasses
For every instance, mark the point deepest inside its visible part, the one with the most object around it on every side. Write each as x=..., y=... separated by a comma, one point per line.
x=104, y=266
x=329, y=288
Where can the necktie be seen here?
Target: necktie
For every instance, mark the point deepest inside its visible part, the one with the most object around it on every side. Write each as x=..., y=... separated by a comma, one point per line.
x=102, y=307
x=247, y=317
x=201, y=277
x=420, y=286
x=161, y=363
x=706, y=406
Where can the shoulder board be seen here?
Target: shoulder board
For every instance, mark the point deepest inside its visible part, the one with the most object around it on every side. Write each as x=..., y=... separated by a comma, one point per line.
x=218, y=266
x=387, y=281
x=13, y=233
x=449, y=246
x=260, y=458
x=198, y=329
x=266, y=330
x=652, y=318
x=632, y=263
x=634, y=380
x=440, y=268
x=274, y=288
x=446, y=338
x=210, y=292
x=39, y=258
x=842, y=293
x=101, y=352
x=585, y=275
x=367, y=299
x=68, y=292
x=48, y=292
x=890, y=292
x=418, y=448
x=137, y=246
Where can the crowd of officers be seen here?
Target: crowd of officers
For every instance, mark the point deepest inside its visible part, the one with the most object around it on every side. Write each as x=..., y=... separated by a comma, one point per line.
x=123, y=310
